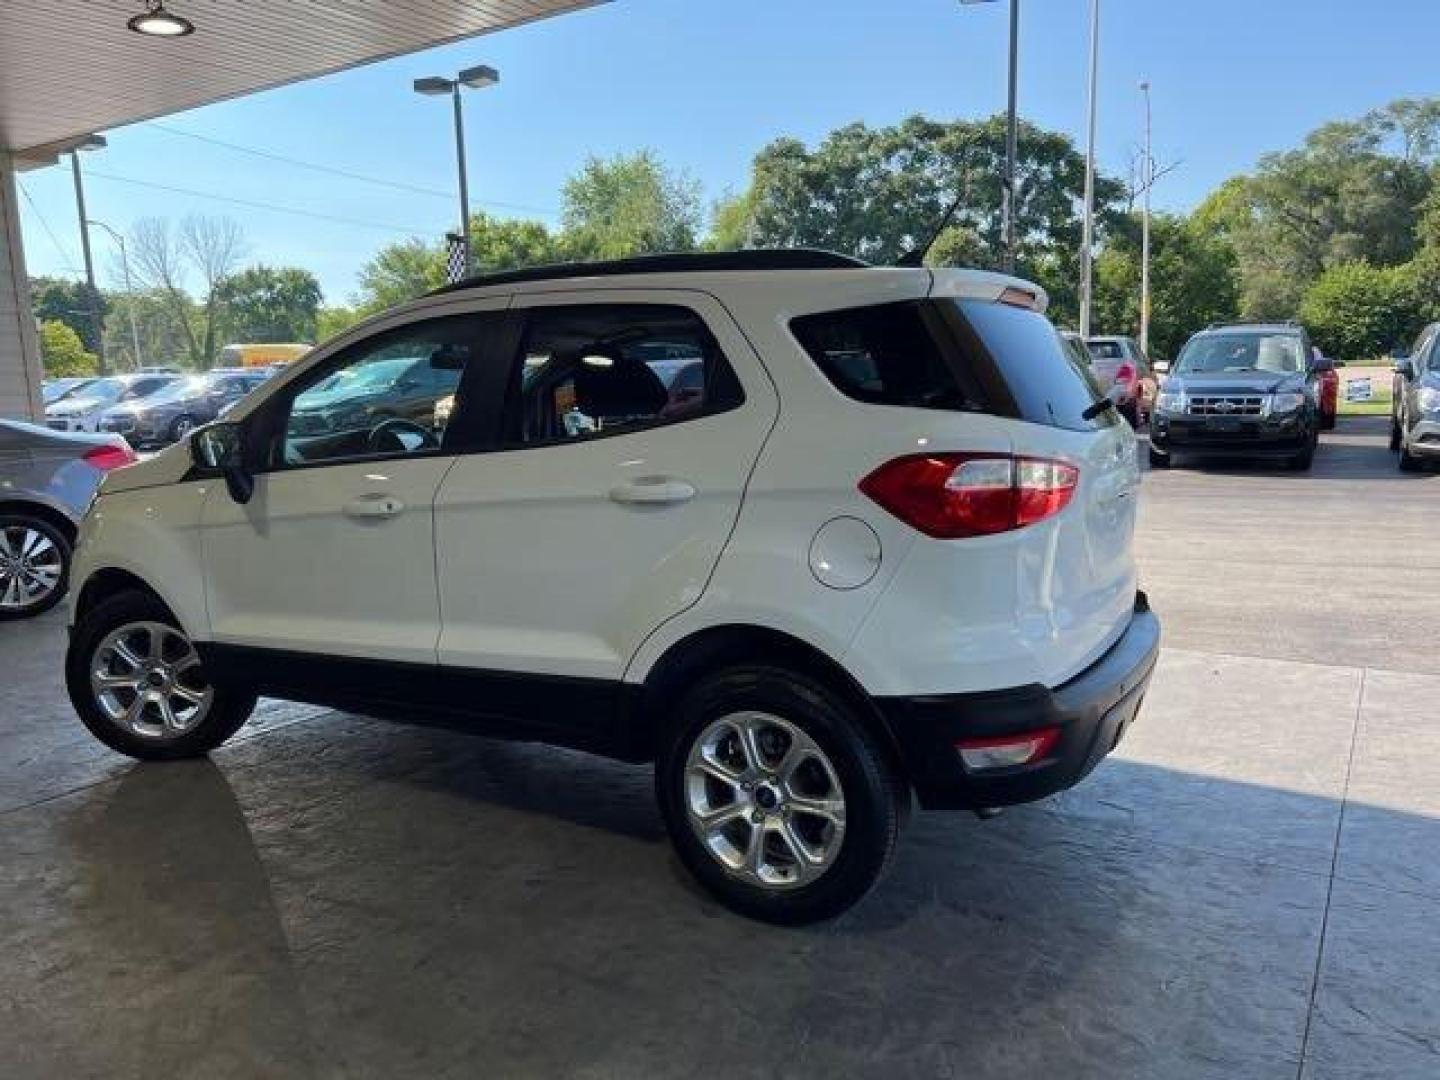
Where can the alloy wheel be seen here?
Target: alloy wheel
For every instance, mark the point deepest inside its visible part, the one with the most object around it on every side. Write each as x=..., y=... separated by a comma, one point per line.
x=32, y=567
x=764, y=800
x=145, y=678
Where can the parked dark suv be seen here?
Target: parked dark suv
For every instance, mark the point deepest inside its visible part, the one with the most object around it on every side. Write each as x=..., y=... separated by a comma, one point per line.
x=1246, y=391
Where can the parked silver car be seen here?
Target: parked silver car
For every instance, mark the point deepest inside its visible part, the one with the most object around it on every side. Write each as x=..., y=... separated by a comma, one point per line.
x=47, y=479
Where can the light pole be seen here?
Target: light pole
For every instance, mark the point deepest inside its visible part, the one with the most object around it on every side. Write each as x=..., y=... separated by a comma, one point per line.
x=1012, y=134
x=1087, y=243
x=1148, y=172
x=476, y=78
x=92, y=298
x=129, y=290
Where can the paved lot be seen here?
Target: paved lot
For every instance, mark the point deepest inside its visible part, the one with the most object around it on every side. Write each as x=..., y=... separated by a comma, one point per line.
x=1251, y=888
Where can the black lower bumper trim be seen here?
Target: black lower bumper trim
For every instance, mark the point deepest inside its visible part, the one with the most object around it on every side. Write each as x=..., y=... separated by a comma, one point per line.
x=1091, y=710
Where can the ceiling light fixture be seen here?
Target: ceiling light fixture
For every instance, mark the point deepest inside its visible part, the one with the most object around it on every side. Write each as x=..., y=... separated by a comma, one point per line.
x=155, y=21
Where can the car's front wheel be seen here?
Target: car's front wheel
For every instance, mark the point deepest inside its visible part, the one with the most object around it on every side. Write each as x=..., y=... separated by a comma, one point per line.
x=34, y=565
x=137, y=683
x=776, y=796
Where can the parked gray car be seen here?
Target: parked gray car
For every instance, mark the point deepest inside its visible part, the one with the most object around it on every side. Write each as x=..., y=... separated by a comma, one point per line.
x=47, y=479
x=1415, y=402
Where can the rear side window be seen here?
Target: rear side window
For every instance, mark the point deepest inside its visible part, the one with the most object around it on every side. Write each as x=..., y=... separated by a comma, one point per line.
x=971, y=355
x=885, y=355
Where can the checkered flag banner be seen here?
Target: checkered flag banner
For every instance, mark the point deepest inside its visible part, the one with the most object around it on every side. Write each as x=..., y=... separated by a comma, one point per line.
x=455, y=268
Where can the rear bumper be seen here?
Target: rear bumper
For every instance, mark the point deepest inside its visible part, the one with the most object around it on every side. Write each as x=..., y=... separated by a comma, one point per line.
x=1092, y=711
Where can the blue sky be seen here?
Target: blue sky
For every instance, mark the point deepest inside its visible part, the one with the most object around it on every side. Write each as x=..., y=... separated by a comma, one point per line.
x=705, y=83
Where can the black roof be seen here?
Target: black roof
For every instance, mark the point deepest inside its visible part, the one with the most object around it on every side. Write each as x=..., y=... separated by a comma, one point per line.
x=687, y=263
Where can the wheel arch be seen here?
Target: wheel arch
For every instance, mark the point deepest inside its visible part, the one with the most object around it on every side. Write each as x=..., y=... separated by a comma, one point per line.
x=108, y=581
x=717, y=647
x=44, y=512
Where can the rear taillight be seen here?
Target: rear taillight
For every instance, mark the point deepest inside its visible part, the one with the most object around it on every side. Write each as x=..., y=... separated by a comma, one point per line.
x=1125, y=374
x=949, y=496
x=1007, y=751
x=110, y=457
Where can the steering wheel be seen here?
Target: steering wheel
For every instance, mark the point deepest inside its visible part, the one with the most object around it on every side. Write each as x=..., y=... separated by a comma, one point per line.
x=389, y=437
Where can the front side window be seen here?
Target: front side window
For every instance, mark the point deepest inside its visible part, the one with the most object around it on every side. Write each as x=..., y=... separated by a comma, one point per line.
x=379, y=398
x=605, y=369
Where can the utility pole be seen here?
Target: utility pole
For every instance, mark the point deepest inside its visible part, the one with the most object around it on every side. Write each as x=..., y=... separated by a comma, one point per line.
x=1087, y=244
x=1148, y=173
x=129, y=291
x=92, y=298
x=1012, y=137
x=475, y=78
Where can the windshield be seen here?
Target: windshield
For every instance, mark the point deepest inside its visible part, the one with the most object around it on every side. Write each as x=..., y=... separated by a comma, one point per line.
x=64, y=388
x=100, y=390
x=1278, y=353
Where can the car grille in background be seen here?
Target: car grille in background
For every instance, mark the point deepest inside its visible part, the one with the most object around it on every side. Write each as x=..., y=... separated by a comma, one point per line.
x=1226, y=405
x=120, y=425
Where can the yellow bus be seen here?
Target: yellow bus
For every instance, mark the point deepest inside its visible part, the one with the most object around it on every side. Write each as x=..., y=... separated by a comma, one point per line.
x=262, y=355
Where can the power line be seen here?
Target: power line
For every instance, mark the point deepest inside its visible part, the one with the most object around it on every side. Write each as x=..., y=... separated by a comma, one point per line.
x=257, y=205
x=332, y=170
x=66, y=260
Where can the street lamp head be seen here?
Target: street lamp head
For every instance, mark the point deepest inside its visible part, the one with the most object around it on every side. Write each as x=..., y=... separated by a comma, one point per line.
x=1145, y=86
x=478, y=78
x=433, y=86
x=91, y=142
x=155, y=21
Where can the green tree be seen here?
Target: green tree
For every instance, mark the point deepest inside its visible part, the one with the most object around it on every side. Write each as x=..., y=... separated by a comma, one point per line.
x=163, y=333
x=627, y=205
x=400, y=272
x=264, y=303
x=510, y=243
x=200, y=254
x=877, y=193
x=62, y=353
x=330, y=321
x=1356, y=311
x=73, y=303
x=1192, y=282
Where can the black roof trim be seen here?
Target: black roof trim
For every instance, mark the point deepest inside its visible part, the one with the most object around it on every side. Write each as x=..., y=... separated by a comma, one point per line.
x=677, y=263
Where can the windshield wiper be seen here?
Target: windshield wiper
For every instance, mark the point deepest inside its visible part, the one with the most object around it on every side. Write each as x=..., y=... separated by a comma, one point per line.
x=1095, y=410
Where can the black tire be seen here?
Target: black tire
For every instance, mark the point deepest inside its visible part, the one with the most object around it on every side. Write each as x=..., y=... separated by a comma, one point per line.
x=876, y=798
x=1159, y=460
x=1302, y=461
x=1327, y=422
x=1408, y=461
x=229, y=709
x=62, y=545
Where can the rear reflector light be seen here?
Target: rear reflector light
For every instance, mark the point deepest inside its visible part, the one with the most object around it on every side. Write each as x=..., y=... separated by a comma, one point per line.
x=1125, y=374
x=106, y=458
x=1007, y=751
x=951, y=496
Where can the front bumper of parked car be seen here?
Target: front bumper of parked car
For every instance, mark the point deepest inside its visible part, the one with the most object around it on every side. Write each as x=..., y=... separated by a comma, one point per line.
x=1078, y=723
x=1424, y=436
x=1243, y=436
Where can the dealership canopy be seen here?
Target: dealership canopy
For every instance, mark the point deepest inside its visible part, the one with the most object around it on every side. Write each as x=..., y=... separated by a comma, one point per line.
x=73, y=68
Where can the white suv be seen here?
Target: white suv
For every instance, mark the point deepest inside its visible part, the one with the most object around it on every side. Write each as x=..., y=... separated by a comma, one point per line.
x=810, y=535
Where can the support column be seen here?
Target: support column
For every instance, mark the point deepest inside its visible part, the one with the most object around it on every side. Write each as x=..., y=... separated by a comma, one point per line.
x=19, y=346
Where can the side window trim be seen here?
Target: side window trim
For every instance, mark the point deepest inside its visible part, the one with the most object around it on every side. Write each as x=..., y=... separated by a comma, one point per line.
x=265, y=426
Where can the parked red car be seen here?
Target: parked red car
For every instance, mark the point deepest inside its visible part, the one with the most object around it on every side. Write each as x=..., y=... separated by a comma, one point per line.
x=1329, y=395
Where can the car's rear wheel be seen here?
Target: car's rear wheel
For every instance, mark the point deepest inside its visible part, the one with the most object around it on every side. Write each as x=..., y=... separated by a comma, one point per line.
x=139, y=686
x=1408, y=461
x=34, y=565
x=777, y=798
x=1159, y=459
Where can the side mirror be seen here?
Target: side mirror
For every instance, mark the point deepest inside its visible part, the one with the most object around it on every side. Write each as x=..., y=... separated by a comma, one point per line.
x=220, y=448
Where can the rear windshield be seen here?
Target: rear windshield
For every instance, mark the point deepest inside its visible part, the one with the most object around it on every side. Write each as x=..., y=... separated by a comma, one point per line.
x=970, y=355
x=1107, y=350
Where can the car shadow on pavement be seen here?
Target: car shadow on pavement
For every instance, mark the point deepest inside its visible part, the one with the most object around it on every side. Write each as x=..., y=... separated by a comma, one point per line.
x=445, y=905
x=1358, y=449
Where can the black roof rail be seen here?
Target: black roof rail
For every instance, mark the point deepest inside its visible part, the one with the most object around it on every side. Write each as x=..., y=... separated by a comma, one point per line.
x=1253, y=322
x=671, y=263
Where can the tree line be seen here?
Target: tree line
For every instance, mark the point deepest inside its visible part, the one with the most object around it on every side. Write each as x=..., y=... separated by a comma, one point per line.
x=1342, y=232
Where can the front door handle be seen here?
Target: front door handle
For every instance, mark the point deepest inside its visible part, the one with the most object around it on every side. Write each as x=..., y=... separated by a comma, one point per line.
x=652, y=491
x=372, y=507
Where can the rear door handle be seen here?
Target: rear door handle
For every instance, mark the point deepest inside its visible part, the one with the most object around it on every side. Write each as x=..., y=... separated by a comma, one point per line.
x=652, y=491
x=371, y=507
